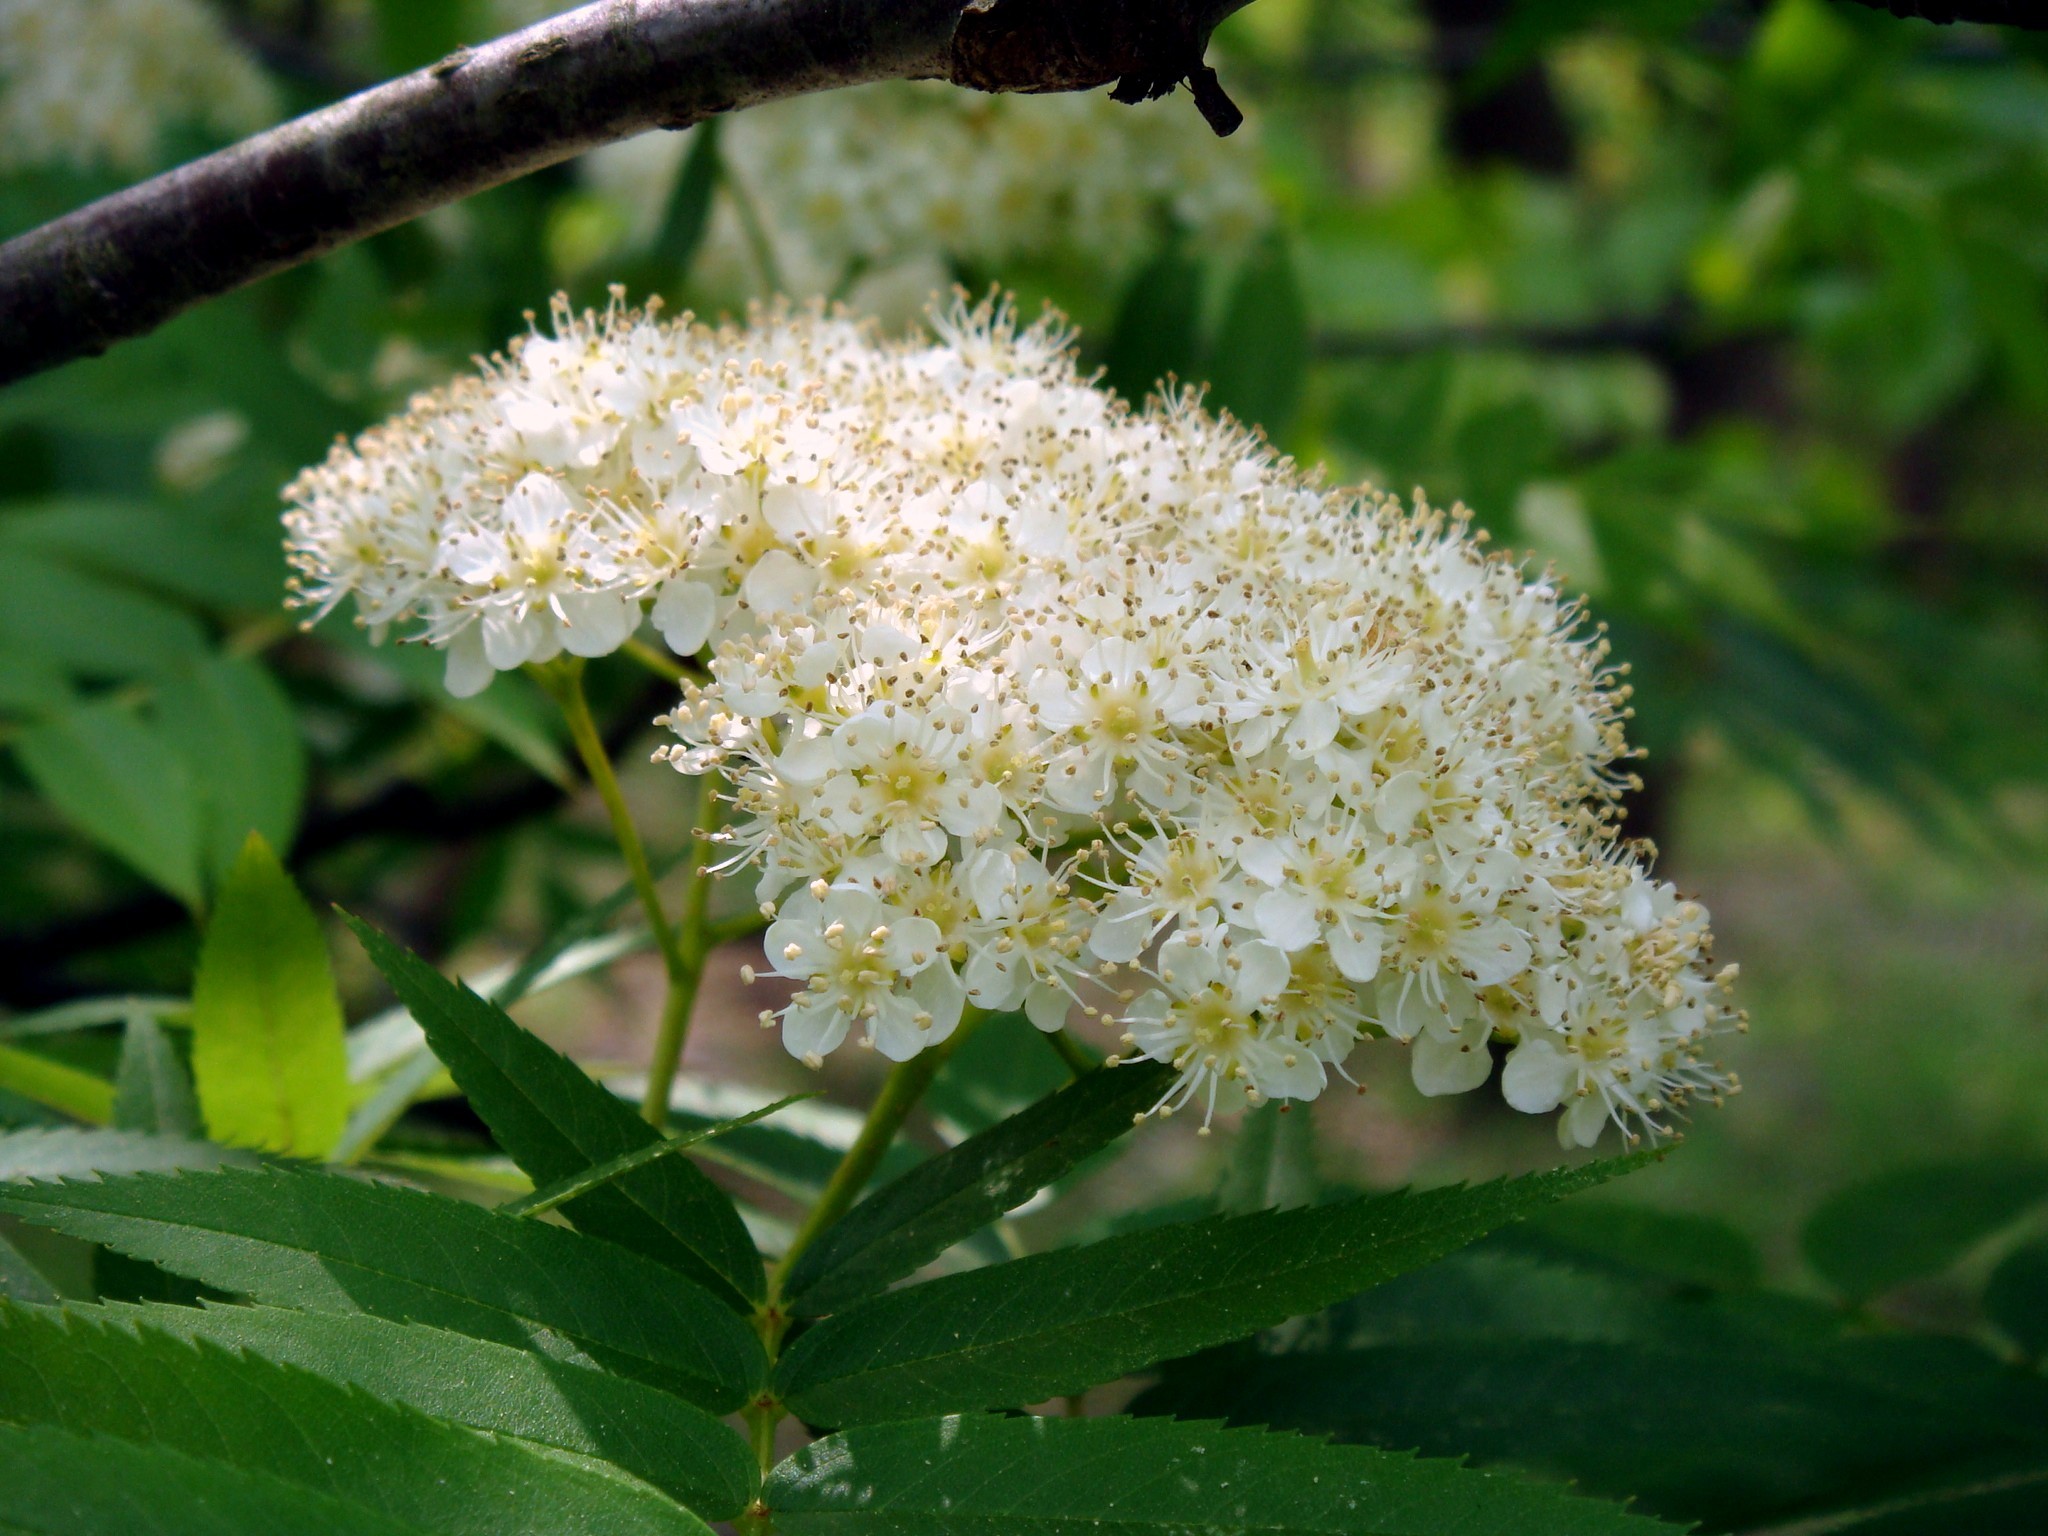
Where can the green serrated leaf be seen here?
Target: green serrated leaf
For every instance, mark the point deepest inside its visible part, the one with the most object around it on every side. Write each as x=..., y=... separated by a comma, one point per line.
x=267, y=1032
x=118, y=781
x=72, y=1153
x=556, y=1123
x=1917, y=1221
x=906, y=1224
x=1055, y=1323
x=658, y=1438
x=234, y=726
x=153, y=1091
x=61, y=1484
x=242, y=1411
x=1765, y=1406
x=331, y=1243
x=1087, y=1477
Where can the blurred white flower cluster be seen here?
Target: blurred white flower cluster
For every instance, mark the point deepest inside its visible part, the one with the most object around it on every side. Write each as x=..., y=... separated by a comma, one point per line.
x=881, y=193
x=1024, y=699
x=96, y=83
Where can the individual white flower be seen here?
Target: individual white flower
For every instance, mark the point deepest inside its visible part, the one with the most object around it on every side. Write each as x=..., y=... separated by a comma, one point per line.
x=1011, y=687
x=98, y=83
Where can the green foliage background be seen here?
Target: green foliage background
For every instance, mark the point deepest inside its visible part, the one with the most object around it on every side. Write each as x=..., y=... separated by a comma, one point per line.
x=1736, y=313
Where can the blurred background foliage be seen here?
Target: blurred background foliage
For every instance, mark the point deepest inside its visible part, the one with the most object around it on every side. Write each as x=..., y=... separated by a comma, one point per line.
x=1737, y=313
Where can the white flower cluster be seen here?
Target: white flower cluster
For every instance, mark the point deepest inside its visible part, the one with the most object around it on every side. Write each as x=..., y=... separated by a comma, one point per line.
x=1025, y=700
x=968, y=180
x=95, y=83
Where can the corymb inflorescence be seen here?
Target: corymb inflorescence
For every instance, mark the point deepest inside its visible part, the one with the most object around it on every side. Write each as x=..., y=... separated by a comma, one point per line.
x=1026, y=700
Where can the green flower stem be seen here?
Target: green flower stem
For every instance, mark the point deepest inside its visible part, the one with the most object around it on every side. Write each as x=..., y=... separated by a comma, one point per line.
x=683, y=945
x=657, y=661
x=899, y=1095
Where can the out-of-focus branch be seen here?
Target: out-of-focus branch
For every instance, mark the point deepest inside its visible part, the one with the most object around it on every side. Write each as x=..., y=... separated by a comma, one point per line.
x=486, y=115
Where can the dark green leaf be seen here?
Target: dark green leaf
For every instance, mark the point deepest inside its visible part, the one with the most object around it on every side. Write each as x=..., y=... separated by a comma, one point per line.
x=61, y=1484
x=267, y=1033
x=145, y=545
x=906, y=1224
x=336, y=1244
x=1272, y=1161
x=243, y=1411
x=119, y=782
x=1692, y=1250
x=234, y=727
x=1762, y=1406
x=556, y=1124
x=658, y=1438
x=688, y=214
x=1259, y=362
x=975, y=1476
x=1918, y=1221
x=1058, y=1322
x=2017, y=1297
x=152, y=1088
x=1158, y=326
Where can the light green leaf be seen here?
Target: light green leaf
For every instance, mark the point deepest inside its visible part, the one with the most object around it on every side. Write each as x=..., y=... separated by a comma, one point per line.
x=150, y=546
x=1055, y=1323
x=337, y=1244
x=906, y=1224
x=235, y=728
x=77, y=1094
x=62, y=1370
x=1272, y=1161
x=513, y=1392
x=87, y=1012
x=60, y=1484
x=120, y=783
x=71, y=1153
x=557, y=1124
x=1090, y=1477
x=267, y=1048
x=152, y=1089
x=1918, y=1221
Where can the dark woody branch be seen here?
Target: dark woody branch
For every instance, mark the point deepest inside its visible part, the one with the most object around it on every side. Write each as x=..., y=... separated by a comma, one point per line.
x=483, y=116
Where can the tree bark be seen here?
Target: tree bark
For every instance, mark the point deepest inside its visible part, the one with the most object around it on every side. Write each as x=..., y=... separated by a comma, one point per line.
x=482, y=116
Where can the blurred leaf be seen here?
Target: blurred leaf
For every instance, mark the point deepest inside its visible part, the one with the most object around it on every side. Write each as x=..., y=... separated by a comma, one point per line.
x=1272, y=1164
x=1917, y=1222
x=1079, y=1477
x=1158, y=328
x=2016, y=1299
x=77, y=1094
x=1692, y=1250
x=557, y=1124
x=1258, y=366
x=510, y=1392
x=235, y=727
x=267, y=1051
x=153, y=1090
x=906, y=1224
x=333, y=1243
x=141, y=544
x=92, y=628
x=1053, y=1323
x=512, y=711
x=120, y=783
x=688, y=214
x=66, y=1370
x=412, y=34
x=21, y=1281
